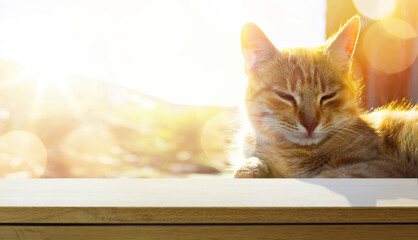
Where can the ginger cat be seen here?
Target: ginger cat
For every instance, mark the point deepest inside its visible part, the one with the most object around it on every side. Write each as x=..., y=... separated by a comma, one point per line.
x=305, y=120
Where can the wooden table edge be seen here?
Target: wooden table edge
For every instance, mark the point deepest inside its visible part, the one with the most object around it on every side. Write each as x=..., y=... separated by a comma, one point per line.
x=205, y=215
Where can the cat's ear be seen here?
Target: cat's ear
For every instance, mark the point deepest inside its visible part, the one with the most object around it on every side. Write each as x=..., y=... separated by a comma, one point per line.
x=256, y=47
x=342, y=46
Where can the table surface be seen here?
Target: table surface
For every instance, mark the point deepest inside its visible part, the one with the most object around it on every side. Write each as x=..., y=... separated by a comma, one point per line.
x=208, y=200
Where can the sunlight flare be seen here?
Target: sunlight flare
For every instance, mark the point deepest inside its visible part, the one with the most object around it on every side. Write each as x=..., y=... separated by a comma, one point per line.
x=184, y=52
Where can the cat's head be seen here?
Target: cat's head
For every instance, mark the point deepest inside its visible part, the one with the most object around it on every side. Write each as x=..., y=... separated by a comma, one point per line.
x=301, y=95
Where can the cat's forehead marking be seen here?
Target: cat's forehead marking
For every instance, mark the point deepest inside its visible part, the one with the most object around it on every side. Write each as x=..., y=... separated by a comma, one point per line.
x=306, y=79
x=288, y=85
x=314, y=76
x=321, y=85
x=289, y=56
x=304, y=72
x=302, y=68
x=299, y=70
x=297, y=73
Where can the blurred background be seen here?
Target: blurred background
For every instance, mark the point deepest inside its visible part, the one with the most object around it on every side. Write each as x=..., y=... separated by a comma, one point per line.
x=153, y=88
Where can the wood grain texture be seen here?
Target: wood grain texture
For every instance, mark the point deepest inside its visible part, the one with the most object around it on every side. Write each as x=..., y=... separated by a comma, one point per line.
x=184, y=232
x=202, y=215
x=153, y=201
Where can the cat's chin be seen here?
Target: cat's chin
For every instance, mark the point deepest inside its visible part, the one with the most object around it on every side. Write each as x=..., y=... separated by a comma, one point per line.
x=305, y=140
x=301, y=140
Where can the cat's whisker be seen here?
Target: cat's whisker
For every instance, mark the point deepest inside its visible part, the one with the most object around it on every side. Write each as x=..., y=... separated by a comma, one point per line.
x=334, y=132
x=350, y=130
x=289, y=126
x=340, y=137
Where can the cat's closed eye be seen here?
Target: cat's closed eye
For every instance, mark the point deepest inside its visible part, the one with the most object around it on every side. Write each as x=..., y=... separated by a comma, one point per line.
x=286, y=97
x=327, y=97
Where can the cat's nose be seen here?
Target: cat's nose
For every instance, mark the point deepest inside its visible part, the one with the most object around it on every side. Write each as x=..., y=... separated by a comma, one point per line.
x=310, y=125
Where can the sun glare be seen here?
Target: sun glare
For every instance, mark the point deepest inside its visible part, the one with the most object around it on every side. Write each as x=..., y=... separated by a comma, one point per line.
x=180, y=51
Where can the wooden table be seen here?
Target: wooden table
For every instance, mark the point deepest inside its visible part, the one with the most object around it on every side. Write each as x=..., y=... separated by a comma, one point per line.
x=208, y=209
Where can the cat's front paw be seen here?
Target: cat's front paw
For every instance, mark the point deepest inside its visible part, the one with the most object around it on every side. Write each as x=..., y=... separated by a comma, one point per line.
x=252, y=168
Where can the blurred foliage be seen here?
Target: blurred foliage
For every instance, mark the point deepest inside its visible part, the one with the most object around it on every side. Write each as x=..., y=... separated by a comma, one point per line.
x=92, y=128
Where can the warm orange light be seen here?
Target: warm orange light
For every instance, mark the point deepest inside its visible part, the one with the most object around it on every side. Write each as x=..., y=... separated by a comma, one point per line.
x=22, y=155
x=398, y=28
x=375, y=9
x=389, y=45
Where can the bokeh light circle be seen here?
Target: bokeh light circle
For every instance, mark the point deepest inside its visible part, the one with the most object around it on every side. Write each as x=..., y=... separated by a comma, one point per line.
x=398, y=28
x=390, y=45
x=216, y=136
x=22, y=155
x=375, y=9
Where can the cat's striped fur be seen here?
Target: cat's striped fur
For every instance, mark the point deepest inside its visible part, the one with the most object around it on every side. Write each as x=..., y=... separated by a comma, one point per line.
x=305, y=120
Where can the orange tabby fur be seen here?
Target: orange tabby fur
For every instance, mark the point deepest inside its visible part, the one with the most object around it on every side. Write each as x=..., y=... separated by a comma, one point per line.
x=305, y=120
